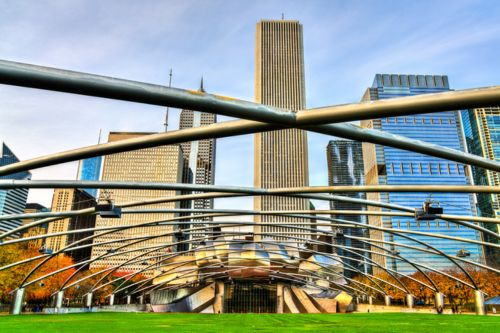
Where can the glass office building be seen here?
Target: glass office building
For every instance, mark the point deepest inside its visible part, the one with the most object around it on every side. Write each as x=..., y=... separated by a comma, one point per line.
x=391, y=166
x=482, y=134
x=345, y=167
x=11, y=201
x=90, y=169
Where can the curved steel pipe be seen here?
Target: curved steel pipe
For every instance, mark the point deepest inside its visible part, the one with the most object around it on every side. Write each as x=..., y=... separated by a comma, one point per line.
x=143, y=282
x=9, y=184
x=207, y=196
x=396, y=232
x=348, y=222
x=492, y=269
x=238, y=251
x=100, y=86
x=32, y=76
x=180, y=253
x=346, y=248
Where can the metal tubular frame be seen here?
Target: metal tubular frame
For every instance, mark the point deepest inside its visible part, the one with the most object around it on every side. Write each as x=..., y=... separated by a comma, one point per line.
x=424, y=250
x=349, y=249
x=118, y=289
x=168, y=245
x=256, y=118
x=100, y=86
x=352, y=268
x=303, y=228
x=9, y=184
x=315, y=241
x=112, y=269
x=207, y=196
x=245, y=241
x=345, y=223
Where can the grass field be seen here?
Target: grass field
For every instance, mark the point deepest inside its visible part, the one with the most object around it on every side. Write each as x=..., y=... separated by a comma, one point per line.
x=154, y=322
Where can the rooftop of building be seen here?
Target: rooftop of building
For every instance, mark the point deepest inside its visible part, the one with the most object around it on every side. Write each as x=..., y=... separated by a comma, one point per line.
x=411, y=80
x=278, y=21
x=35, y=205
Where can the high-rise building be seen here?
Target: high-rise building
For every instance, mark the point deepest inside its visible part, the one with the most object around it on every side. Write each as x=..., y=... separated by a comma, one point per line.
x=12, y=201
x=36, y=230
x=90, y=169
x=345, y=167
x=199, y=159
x=67, y=200
x=158, y=164
x=280, y=157
x=391, y=166
x=482, y=134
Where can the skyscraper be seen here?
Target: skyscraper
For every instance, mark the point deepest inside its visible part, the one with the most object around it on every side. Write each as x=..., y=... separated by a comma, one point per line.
x=280, y=157
x=391, y=166
x=199, y=158
x=12, y=201
x=482, y=134
x=90, y=169
x=157, y=164
x=67, y=199
x=345, y=167
x=37, y=230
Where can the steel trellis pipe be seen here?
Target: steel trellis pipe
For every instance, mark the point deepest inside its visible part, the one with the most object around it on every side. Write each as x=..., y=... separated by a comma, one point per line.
x=422, y=250
x=347, y=248
x=14, y=184
x=291, y=246
x=398, y=232
x=205, y=196
x=32, y=76
x=344, y=224
x=351, y=268
x=176, y=254
x=94, y=85
x=244, y=241
x=240, y=127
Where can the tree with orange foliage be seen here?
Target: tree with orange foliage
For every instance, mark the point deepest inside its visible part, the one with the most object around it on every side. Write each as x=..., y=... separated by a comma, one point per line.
x=42, y=290
x=83, y=287
x=12, y=277
x=457, y=294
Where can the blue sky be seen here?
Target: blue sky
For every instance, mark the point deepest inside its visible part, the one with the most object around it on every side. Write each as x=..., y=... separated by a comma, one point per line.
x=346, y=44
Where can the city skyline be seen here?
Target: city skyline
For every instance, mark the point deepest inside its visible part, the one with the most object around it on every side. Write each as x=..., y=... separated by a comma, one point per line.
x=466, y=39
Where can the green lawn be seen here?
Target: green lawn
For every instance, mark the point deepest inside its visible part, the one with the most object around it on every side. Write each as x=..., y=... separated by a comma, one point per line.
x=155, y=322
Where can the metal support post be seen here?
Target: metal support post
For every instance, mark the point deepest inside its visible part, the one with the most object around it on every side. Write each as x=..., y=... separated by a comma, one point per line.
x=129, y=299
x=88, y=300
x=439, y=302
x=479, y=302
x=280, y=298
x=141, y=299
x=59, y=300
x=409, y=301
x=112, y=299
x=17, y=302
x=370, y=300
x=387, y=300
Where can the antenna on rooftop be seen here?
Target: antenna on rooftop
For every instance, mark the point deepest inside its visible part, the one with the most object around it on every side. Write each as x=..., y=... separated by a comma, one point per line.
x=166, y=113
x=282, y=16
